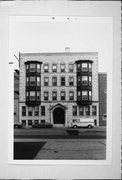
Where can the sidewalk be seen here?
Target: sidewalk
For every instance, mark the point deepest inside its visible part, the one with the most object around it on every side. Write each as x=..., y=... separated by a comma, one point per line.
x=73, y=149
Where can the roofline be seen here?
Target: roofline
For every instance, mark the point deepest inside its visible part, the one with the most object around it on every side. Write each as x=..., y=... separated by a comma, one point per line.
x=58, y=53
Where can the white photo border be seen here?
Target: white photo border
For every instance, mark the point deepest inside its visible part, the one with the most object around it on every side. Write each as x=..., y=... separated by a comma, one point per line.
x=108, y=161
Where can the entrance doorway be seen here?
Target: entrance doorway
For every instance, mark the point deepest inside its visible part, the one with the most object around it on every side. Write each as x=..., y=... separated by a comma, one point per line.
x=59, y=116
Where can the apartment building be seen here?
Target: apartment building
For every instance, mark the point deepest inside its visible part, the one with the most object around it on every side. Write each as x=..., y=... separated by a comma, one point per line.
x=58, y=87
x=16, y=96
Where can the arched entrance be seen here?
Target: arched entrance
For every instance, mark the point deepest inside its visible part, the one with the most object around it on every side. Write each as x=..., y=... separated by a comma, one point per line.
x=59, y=115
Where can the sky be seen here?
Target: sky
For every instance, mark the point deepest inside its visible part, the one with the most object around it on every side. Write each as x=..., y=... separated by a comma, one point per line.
x=81, y=35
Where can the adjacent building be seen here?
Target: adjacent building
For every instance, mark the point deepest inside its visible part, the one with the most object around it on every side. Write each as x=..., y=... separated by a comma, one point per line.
x=16, y=96
x=102, y=78
x=58, y=87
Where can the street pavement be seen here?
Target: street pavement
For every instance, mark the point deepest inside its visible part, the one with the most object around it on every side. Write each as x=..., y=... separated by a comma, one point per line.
x=73, y=150
x=59, y=145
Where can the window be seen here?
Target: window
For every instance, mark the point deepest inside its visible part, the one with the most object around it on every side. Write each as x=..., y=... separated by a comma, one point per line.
x=32, y=67
x=36, y=121
x=27, y=95
x=62, y=95
x=84, y=80
x=74, y=110
x=24, y=122
x=80, y=110
x=32, y=95
x=27, y=81
x=79, y=80
x=54, y=68
x=79, y=95
x=71, y=81
x=62, y=67
x=42, y=110
x=43, y=121
x=46, y=68
x=46, y=81
x=27, y=68
x=90, y=67
x=84, y=67
x=71, y=68
x=23, y=110
x=78, y=67
x=32, y=80
x=104, y=117
x=90, y=95
x=38, y=81
x=38, y=95
x=54, y=81
x=30, y=111
x=46, y=96
x=71, y=95
x=62, y=81
x=90, y=80
x=84, y=95
x=87, y=108
x=54, y=95
x=29, y=122
x=36, y=111
x=38, y=68
x=94, y=110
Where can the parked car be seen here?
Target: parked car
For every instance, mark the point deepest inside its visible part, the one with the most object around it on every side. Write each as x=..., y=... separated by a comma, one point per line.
x=18, y=125
x=43, y=125
x=80, y=122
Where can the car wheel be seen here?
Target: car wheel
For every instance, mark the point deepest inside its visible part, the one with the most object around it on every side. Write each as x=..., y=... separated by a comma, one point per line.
x=89, y=126
x=74, y=126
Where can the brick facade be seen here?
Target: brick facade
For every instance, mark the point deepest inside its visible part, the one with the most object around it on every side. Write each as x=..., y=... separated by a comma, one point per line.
x=50, y=105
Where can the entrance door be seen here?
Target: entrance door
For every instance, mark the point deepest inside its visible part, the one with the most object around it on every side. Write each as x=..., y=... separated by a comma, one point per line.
x=59, y=116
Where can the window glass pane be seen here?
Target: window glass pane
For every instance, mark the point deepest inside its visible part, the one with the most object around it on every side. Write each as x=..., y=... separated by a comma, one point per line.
x=29, y=122
x=90, y=67
x=38, y=95
x=38, y=81
x=36, y=111
x=87, y=109
x=71, y=95
x=71, y=81
x=42, y=110
x=62, y=95
x=84, y=80
x=54, y=68
x=36, y=121
x=46, y=81
x=71, y=67
x=54, y=95
x=23, y=110
x=78, y=67
x=32, y=67
x=54, y=81
x=45, y=95
x=38, y=68
x=62, y=81
x=32, y=95
x=94, y=110
x=46, y=67
x=30, y=111
x=90, y=80
x=74, y=110
x=81, y=111
x=32, y=81
x=27, y=81
x=90, y=95
x=84, y=67
x=62, y=67
x=84, y=95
